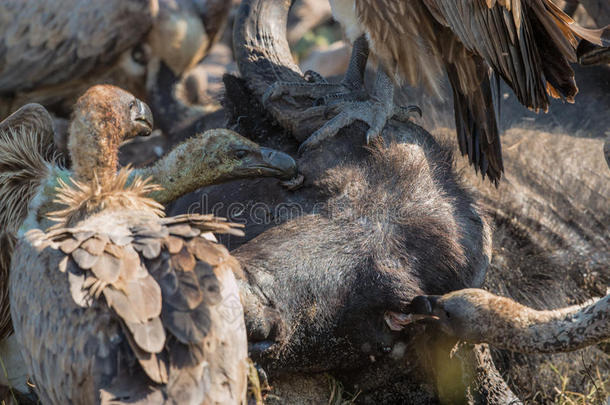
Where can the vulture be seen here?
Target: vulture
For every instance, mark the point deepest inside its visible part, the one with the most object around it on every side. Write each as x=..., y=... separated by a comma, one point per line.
x=116, y=303
x=527, y=43
x=29, y=173
x=478, y=316
x=51, y=51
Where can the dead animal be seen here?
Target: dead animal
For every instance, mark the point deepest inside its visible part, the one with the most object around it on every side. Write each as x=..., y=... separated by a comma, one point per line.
x=131, y=306
x=317, y=287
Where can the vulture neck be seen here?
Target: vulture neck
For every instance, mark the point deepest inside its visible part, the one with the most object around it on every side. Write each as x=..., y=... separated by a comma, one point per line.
x=183, y=171
x=94, y=155
x=561, y=330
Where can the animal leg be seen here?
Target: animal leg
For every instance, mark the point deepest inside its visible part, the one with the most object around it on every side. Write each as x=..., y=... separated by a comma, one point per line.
x=375, y=111
x=318, y=88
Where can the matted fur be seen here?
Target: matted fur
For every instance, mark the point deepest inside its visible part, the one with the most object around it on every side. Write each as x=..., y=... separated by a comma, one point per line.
x=84, y=199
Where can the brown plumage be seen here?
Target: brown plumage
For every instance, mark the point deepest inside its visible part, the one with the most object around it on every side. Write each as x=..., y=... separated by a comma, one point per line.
x=133, y=307
x=528, y=43
x=27, y=163
x=478, y=316
x=51, y=51
x=29, y=174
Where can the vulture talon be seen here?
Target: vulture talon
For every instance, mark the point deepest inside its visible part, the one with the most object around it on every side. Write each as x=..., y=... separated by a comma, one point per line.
x=313, y=90
x=312, y=76
x=338, y=98
x=373, y=112
x=404, y=114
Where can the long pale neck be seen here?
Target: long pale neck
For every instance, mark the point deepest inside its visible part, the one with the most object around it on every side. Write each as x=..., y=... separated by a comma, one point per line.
x=178, y=174
x=93, y=154
x=562, y=330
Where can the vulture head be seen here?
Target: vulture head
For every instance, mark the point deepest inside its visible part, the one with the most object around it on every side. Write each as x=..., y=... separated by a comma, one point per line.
x=464, y=313
x=102, y=119
x=479, y=316
x=214, y=157
x=238, y=157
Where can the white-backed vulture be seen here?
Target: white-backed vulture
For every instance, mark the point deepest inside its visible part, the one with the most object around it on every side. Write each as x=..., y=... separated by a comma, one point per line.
x=479, y=316
x=51, y=51
x=29, y=174
x=527, y=43
x=114, y=303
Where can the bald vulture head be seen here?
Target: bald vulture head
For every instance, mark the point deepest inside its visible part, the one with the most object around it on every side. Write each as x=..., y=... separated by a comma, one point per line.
x=103, y=118
x=479, y=316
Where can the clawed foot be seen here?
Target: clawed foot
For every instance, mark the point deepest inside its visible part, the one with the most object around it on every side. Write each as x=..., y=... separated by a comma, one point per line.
x=315, y=87
x=375, y=113
x=349, y=103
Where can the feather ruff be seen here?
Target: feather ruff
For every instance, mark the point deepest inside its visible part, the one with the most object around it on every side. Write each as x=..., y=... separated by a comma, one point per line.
x=84, y=199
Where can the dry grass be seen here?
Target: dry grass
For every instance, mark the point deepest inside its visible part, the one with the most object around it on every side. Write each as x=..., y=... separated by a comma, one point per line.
x=338, y=395
x=596, y=389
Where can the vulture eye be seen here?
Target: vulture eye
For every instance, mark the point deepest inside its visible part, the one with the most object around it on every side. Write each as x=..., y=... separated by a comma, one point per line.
x=240, y=154
x=138, y=55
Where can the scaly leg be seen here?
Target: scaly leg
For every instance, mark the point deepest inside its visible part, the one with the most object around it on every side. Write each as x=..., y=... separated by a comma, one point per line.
x=348, y=99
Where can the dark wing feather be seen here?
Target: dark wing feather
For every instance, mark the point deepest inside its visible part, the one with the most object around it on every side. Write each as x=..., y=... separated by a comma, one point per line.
x=26, y=140
x=529, y=43
x=161, y=295
x=48, y=42
x=475, y=107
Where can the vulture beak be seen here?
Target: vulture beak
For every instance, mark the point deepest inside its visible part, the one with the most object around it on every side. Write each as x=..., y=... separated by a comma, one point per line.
x=423, y=305
x=278, y=164
x=420, y=308
x=142, y=118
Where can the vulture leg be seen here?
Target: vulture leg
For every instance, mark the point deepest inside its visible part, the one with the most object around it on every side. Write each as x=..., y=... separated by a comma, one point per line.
x=375, y=111
x=349, y=99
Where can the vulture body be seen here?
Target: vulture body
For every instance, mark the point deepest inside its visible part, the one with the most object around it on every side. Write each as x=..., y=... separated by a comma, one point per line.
x=479, y=316
x=29, y=173
x=52, y=51
x=528, y=43
x=115, y=303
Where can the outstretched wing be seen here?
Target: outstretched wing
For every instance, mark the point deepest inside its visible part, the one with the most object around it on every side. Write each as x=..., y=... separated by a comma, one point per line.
x=161, y=278
x=51, y=41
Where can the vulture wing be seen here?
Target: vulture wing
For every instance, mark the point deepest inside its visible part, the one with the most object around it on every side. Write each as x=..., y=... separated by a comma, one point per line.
x=26, y=139
x=51, y=41
x=529, y=43
x=161, y=279
x=476, y=106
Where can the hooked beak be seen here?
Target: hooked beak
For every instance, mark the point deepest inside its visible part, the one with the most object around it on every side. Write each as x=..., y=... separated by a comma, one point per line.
x=277, y=164
x=421, y=308
x=143, y=119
